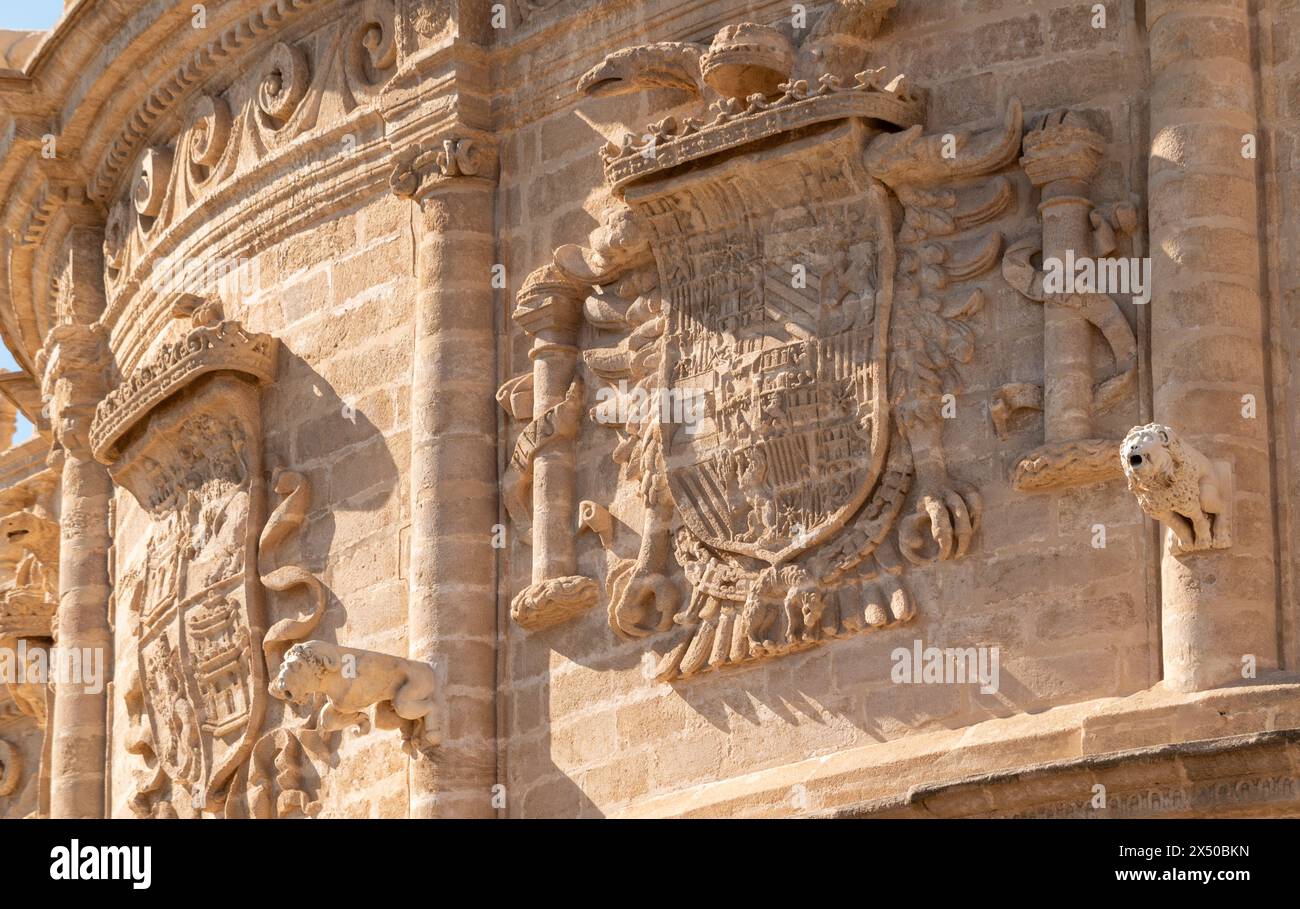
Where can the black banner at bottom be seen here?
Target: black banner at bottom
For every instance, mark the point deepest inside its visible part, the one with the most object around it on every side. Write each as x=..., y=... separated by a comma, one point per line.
x=127, y=859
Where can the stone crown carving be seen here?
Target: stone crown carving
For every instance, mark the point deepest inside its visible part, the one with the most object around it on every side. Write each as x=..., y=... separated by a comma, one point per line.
x=214, y=344
x=738, y=123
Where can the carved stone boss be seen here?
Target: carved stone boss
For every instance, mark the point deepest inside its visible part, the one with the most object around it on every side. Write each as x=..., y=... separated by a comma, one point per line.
x=757, y=268
x=183, y=435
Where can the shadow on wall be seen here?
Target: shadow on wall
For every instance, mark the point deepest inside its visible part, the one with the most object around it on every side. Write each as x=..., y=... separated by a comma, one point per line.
x=345, y=460
x=835, y=684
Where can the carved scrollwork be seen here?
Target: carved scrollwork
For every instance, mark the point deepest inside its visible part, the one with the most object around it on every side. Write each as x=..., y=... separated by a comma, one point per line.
x=285, y=78
x=337, y=67
x=374, y=52
x=419, y=167
x=284, y=521
x=151, y=180
x=209, y=136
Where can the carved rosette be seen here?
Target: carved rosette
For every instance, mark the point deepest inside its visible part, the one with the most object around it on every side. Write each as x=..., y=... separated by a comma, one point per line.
x=182, y=434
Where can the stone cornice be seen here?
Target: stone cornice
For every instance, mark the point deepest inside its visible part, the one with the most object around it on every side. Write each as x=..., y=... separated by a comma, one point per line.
x=232, y=40
x=1251, y=773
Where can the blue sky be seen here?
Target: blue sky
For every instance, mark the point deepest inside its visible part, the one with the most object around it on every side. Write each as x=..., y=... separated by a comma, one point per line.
x=24, y=428
x=26, y=15
x=29, y=14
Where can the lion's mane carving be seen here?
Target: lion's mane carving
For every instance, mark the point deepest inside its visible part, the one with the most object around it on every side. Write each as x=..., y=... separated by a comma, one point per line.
x=353, y=681
x=1178, y=486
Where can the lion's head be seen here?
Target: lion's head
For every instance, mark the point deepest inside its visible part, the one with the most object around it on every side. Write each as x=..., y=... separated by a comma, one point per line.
x=1150, y=455
x=302, y=669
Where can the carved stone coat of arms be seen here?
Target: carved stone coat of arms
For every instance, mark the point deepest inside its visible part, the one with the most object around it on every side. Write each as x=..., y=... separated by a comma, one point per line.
x=783, y=280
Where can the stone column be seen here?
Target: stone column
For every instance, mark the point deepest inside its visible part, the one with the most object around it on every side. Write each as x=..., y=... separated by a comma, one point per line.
x=1061, y=159
x=452, y=577
x=73, y=385
x=1218, y=606
x=550, y=310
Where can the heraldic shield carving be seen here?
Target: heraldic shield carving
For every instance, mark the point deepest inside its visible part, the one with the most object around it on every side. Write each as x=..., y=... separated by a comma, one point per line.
x=183, y=435
x=787, y=272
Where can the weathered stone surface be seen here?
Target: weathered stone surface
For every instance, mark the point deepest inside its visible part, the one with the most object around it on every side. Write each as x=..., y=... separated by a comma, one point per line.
x=656, y=408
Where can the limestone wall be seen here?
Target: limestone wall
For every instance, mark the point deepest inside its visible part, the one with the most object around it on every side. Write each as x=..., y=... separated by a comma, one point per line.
x=561, y=609
x=589, y=733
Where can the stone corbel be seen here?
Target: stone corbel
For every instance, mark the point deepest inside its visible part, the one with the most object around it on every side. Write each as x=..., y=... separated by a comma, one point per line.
x=1061, y=157
x=1179, y=487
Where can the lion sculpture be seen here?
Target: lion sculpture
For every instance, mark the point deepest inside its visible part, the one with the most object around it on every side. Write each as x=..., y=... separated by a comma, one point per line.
x=1178, y=486
x=354, y=680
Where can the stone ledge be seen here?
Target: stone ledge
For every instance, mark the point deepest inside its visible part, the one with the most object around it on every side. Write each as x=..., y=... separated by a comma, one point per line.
x=878, y=779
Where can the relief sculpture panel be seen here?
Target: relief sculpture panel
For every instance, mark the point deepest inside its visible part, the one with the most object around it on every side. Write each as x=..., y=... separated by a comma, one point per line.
x=776, y=304
x=183, y=435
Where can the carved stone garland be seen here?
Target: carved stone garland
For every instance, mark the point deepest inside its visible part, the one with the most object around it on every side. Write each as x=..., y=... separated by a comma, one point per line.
x=758, y=267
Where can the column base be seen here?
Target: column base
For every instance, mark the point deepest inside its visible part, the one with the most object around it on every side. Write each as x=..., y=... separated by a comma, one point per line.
x=553, y=601
x=1075, y=463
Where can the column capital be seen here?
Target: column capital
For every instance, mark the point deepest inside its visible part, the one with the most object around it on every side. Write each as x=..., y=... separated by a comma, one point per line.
x=71, y=364
x=440, y=162
x=1064, y=147
x=550, y=300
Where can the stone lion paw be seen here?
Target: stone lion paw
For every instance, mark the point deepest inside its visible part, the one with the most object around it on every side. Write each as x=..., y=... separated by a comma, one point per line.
x=941, y=525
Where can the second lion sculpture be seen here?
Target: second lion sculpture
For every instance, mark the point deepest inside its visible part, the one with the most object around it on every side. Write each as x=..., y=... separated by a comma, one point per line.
x=1179, y=487
x=352, y=681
